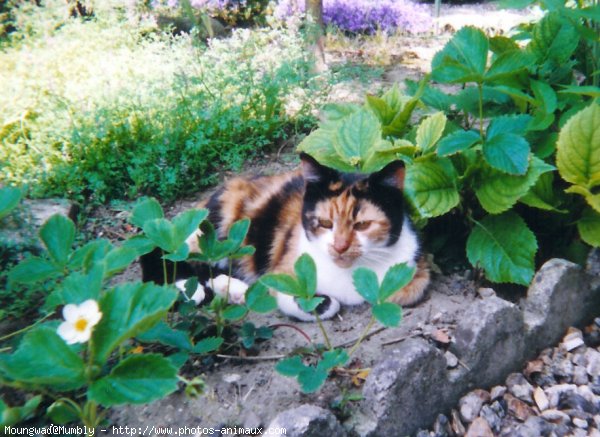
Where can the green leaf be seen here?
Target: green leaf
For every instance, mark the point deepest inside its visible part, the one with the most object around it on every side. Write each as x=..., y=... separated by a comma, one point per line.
x=306, y=275
x=504, y=247
x=138, y=379
x=61, y=412
x=553, y=38
x=10, y=416
x=463, y=58
x=140, y=244
x=127, y=311
x=118, y=259
x=187, y=223
x=238, y=231
x=366, y=284
x=431, y=185
x=507, y=152
x=498, y=191
x=397, y=277
x=58, y=235
x=291, y=366
x=146, y=210
x=544, y=95
x=234, y=313
x=338, y=111
x=591, y=91
x=380, y=108
x=9, y=200
x=509, y=63
x=578, y=148
x=592, y=199
x=501, y=44
x=209, y=344
x=164, y=334
x=388, y=313
x=90, y=254
x=542, y=195
x=259, y=300
x=180, y=254
x=333, y=358
x=163, y=234
x=357, y=134
x=515, y=124
x=589, y=227
x=457, y=142
x=282, y=283
x=77, y=288
x=311, y=379
x=319, y=145
x=43, y=358
x=32, y=270
x=430, y=131
x=310, y=304
x=399, y=123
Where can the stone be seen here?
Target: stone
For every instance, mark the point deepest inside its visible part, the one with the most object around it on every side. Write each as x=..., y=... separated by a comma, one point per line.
x=540, y=398
x=592, y=359
x=42, y=209
x=389, y=397
x=580, y=423
x=492, y=417
x=451, y=360
x=479, y=428
x=517, y=408
x=441, y=427
x=555, y=416
x=573, y=339
x=470, y=404
x=559, y=297
x=575, y=401
x=456, y=424
x=497, y=392
x=578, y=432
x=519, y=387
x=563, y=370
x=534, y=427
x=486, y=292
x=555, y=392
x=593, y=432
x=308, y=421
x=490, y=340
x=580, y=375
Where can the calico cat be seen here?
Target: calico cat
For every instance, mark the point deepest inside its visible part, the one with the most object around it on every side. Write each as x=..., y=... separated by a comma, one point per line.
x=343, y=220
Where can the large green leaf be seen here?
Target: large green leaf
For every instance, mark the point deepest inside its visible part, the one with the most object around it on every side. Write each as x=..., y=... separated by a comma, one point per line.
x=32, y=270
x=187, y=222
x=127, y=311
x=77, y=288
x=578, y=150
x=208, y=344
x=162, y=233
x=430, y=131
x=457, y=142
x=306, y=274
x=463, y=58
x=259, y=300
x=58, y=234
x=388, y=313
x=119, y=258
x=507, y=152
x=319, y=145
x=397, y=277
x=542, y=195
x=10, y=416
x=282, y=283
x=138, y=379
x=164, y=334
x=366, y=284
x=9, y=199
x=515, y=124
x=356, y=136
x=146, y=210
x=589, y=227
x=497, y=191
x=44, y=358
x=553, y=38
x=509, y=63
x=431, y=185
x=504, y=247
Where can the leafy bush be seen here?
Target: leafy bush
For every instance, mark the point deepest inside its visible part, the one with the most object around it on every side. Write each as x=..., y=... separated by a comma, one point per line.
x=366, y=16
x=490, y=161
x=232, y=12
x=97, y=110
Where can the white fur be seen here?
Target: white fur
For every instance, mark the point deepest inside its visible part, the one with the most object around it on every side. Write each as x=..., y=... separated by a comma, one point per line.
x=336, y=282
x=198, y=296
x=287, y=304
x=237, y=288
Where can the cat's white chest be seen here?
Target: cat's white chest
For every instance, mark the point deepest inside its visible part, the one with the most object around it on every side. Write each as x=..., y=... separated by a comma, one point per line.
x=336, y=282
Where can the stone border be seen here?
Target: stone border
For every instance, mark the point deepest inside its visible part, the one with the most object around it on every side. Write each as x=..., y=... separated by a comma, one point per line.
x=407, y=390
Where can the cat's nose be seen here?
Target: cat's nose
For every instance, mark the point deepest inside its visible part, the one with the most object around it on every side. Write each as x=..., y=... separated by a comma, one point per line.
x=341, y=246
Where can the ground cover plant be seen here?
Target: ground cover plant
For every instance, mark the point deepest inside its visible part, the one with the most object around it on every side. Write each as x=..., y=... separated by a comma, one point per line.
x=111, y=107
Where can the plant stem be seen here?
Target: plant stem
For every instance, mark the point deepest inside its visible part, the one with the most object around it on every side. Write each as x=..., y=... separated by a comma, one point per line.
x=90, y=416
x=323, y=331
x=480, y=89
x=287, y=325
x=362, y=336
x=12, y=334
x=174, y=272
x=164, y=264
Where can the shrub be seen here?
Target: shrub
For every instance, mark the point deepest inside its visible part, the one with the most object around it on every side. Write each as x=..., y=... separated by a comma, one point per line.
x=232, y=12
x=365, y=16
x=96, y=110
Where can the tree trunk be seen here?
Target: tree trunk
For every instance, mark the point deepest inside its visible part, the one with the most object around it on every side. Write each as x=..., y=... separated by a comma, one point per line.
x=316, y=33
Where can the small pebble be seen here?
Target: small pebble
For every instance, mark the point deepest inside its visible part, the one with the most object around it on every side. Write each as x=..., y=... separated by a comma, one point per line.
x=497, y=392
x=556, y=416
x=541, y=400
x=580, y=423
x=479, y=428
x=519, y=387
x=573, y=339
x=452, y=361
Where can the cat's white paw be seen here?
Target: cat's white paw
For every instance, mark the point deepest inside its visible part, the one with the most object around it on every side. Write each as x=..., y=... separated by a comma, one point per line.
x=198, y=296
x=237, y=288
x=331, y=310
x=288, y=305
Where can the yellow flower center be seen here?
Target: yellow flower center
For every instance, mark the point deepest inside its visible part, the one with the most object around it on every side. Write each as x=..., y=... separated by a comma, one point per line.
x=80, y=325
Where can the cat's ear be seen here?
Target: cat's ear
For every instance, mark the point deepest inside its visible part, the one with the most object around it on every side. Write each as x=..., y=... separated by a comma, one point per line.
x=312, y=171
x=391, y=175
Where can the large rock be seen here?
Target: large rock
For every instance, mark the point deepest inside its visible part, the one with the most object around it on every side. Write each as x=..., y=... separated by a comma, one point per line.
x=413, y=375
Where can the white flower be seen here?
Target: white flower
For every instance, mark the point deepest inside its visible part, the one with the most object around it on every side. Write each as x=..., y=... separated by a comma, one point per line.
x=79, y=321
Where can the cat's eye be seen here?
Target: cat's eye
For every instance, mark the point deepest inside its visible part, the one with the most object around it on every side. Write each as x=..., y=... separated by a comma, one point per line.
x=324, y=223
x=362, y=225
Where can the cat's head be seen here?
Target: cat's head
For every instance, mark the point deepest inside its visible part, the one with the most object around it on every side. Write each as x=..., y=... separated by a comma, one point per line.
x=352, y=216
